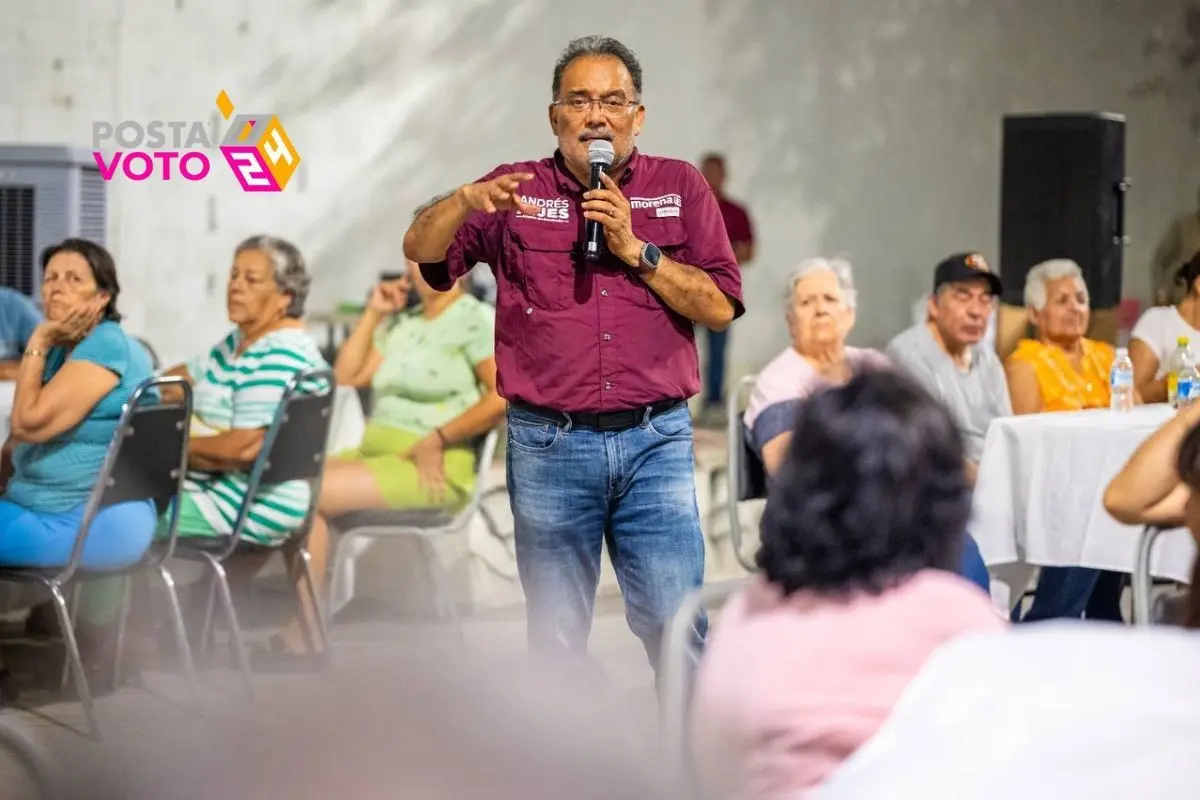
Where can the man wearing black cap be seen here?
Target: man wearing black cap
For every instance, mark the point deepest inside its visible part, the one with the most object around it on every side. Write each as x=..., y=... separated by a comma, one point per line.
x=944, y=353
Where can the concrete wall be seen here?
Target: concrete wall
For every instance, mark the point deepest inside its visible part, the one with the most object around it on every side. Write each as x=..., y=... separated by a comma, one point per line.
x=864, y=127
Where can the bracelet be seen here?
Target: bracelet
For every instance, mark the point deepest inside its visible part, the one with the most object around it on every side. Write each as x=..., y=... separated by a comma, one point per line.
x=33, y=351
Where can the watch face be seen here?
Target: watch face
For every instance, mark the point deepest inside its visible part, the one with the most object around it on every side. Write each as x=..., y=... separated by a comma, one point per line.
x=651, y=256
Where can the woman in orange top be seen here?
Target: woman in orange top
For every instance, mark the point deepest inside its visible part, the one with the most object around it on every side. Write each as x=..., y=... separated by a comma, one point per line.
x=1062, y=370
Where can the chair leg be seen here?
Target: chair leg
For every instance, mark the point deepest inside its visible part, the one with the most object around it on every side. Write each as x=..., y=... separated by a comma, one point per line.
x=441, y=586
x=208, y=643
x=343, y=552
x=181, y=638
x=318, y=609
x=1141, y=580
x=74, y=660
x=122, y=621
x=76, y=590
x=235, y=630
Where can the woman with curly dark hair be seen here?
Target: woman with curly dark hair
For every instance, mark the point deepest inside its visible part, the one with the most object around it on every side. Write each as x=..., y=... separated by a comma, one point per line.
x=860, y=537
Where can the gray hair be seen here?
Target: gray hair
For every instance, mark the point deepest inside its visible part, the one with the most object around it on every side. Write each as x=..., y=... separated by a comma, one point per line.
x=291, y=274
x=1052, y=270
x=596, y=46
x=838, y=266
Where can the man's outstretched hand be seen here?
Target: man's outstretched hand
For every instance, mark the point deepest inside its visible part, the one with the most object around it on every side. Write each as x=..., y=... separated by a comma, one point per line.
x=499, y=194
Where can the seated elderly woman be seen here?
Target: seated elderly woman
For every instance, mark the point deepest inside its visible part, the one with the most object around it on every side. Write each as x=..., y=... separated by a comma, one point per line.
x=1063, y=370
x=1157, y=333
x=430, y=362
x=237, y=388
x=77, y=372
x=821, y=304
x=861, y=529
x=1160, y=485
x=820, y=315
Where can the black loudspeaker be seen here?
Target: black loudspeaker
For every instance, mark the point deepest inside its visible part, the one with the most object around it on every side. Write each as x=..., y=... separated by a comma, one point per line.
x=1063, y=196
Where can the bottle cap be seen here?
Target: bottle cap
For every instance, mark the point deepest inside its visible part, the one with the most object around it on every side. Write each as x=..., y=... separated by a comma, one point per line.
x=1181, y=341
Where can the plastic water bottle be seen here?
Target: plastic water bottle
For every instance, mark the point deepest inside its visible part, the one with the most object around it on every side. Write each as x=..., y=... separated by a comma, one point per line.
x=1120, y=381
x=1187, y=385
x=1181, y=365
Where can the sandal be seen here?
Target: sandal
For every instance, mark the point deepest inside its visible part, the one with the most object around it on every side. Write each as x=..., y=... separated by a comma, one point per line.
x=274, y=655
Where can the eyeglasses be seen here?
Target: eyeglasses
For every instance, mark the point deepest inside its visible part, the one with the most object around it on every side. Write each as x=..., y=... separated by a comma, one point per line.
x=609, y=105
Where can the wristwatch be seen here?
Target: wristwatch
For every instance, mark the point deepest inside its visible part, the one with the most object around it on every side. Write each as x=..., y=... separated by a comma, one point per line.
x=650, y=256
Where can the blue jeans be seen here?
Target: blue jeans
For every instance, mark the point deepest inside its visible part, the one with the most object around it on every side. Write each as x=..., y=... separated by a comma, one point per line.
x=1074, y=592
x=714, y=370
x=571, y=489
x=972, y=567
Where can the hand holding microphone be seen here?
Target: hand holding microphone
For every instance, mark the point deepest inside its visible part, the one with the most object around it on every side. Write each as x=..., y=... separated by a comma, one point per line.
x=607, y=210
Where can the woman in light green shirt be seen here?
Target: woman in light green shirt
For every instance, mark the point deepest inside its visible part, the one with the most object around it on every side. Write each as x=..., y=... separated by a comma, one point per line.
x=433, y=373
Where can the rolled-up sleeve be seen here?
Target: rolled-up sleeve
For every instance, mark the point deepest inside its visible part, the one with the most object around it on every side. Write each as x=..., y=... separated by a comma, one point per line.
x=708, y=246
x=477, y=241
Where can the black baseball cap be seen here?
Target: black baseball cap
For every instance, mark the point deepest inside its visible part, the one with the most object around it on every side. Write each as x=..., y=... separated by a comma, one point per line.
x=965, y=267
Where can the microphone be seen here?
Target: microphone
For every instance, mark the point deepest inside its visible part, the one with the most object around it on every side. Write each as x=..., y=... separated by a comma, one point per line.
x=600, y=158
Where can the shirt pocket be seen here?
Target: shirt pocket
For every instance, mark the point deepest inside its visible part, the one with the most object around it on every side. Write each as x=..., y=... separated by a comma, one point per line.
x=548, y=260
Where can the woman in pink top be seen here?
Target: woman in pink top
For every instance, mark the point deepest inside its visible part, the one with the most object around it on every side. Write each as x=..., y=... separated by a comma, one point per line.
x=820, y=315
x=862, y=529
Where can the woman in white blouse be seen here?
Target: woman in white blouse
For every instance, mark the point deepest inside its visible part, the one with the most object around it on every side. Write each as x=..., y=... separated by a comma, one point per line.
x=1156, y=335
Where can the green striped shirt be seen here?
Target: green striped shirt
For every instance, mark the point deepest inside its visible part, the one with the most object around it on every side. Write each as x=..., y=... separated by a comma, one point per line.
x=232, y=391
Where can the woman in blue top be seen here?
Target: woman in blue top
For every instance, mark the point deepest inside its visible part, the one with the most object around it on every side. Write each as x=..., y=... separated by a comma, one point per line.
x=77, y=372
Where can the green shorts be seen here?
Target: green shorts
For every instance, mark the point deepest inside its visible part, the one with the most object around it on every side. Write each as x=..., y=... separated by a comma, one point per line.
x=380, y=452
x=191, y=521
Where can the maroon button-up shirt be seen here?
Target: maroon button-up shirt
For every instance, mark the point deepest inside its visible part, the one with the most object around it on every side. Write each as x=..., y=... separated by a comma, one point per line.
x=579, y=336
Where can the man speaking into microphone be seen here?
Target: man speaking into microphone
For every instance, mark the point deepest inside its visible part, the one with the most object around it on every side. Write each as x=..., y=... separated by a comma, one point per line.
x=595, y=355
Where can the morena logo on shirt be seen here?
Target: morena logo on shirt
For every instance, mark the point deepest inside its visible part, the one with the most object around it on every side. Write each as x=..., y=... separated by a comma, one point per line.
x=667, y=205
x=557, y=209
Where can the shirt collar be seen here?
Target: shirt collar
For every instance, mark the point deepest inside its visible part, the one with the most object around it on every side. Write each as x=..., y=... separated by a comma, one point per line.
x=568, y=183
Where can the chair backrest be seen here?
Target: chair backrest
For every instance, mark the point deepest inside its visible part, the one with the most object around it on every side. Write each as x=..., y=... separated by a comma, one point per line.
x=147, y=457
x=484, y=448
x=294, y=445
x=744, y=473
x=751, y=472
x=150, y=351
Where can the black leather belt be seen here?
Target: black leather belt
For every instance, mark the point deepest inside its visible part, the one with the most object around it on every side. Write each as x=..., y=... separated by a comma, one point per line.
x=601, y=420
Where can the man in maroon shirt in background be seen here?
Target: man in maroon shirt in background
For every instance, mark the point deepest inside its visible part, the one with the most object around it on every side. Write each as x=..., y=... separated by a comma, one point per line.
x=597, y=358
x=741, y=236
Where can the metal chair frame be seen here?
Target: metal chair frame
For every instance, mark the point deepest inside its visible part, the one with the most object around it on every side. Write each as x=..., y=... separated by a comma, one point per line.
x=56, y=581
x=34, y=758
x=425, y=534
x=677, y=663
x=735, y=436
x=262, y=472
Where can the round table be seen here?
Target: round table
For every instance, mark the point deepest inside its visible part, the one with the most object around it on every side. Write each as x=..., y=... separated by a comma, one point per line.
x=1040, y=490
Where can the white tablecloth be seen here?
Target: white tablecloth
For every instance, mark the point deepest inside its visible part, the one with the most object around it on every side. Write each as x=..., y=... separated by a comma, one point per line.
x=1040, y=490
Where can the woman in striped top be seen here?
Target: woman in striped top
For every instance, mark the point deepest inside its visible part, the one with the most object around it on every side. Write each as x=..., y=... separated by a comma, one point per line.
x=237, y=387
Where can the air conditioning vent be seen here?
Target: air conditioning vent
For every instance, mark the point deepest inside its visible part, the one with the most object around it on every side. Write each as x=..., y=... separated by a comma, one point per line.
x=16, y=238
x=47, y=193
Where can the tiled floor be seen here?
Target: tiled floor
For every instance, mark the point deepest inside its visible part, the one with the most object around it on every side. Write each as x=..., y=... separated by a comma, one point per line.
x=144, y=725
x=140, y=726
